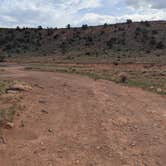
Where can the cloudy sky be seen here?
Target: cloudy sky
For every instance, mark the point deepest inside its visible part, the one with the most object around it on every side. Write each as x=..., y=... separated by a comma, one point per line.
x=59, y=13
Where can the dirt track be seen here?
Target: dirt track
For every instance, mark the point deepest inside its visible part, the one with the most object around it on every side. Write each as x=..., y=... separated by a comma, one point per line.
x=89, y=123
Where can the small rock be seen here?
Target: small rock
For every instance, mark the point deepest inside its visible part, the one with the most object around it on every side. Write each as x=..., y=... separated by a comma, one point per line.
x=123, y=77
x=152, y=87
x=18, y=88
x=133, y=144
x=9, y=125
x=77, y=161
x=42, y=101
x=98, y=147
x=159, y=90
x=44, y=111
x=50, y=130
x=11, y=91
x=41, y=143
x=2, y=140
x=22, y=124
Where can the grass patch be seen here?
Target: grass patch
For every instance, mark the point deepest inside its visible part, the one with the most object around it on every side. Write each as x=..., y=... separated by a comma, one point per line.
x=152, y=79
x=4, y=84
x=7, y=114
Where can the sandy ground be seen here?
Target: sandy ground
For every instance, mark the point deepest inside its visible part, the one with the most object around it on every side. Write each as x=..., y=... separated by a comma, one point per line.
x=85, y=123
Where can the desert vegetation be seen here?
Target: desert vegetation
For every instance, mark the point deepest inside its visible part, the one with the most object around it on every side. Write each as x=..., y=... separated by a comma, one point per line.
x=147, y=76
x=130, y=40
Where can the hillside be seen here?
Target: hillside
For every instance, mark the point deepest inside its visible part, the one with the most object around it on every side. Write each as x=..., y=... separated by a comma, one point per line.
x=123, y=40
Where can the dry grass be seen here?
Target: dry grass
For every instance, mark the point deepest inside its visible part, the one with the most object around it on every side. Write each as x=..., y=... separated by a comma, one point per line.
x=148, y=77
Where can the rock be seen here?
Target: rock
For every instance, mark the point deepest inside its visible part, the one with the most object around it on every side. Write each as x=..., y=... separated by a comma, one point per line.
x=152, y=87
x=11, y=91
x=2, y=140
x=50, y=130
x=123, y=77
x=22, y=124
x=133, y=144
x=9, y=125
x=159, y=90
x=77, y=161
x=44, y=111
x=98, y=147
x=42, y=101
x=18, y=88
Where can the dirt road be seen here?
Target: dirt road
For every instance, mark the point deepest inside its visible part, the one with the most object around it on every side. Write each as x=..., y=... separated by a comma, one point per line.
x=73, y=120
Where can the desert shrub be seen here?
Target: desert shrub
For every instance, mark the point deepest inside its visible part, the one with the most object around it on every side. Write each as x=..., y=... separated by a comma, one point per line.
x=111, y=42
x=105, y=25
x=145, y=23
x=2, y=58
x=121, y=28
x=138, y=29
x=8, y=47
x=50, y=31
x=129, y=21
x=68, y=26
x=39, y=27
x=84, y=27
x=154, y=32
x=152, y=42
x=18, y=28
x=160, y=45
x=87, y=53
x=115, y=63
x=56, y=36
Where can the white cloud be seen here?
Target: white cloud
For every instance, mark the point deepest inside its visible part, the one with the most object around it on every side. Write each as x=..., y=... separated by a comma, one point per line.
x=95, y=19
x=76, y=12
x=42, y=12
x=155, y=4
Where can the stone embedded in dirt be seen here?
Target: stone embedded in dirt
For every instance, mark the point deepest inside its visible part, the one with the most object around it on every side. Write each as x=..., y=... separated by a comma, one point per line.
x=44, y=111
x=11, y=91
x=9, y=125
x=2, y=140
x=18, y=88
x=77, y=161
x=159, y=90
x=98, y=147
x=22, y=124
x=152, y=87
x=42, y=101
x=41, y=143
x=38, y=86
x=123, y=77
x=133, y=144
x=50, y=130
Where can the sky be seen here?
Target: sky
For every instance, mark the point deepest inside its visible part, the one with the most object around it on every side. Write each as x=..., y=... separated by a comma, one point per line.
x=59, y=13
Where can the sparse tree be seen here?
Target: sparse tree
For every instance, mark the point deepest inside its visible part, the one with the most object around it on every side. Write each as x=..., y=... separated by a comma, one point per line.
x=105, y=25
x=84, y=27
x=129, y=21
x=160, y=45
x=39, y=27
x=18, y=28
x=68, y=26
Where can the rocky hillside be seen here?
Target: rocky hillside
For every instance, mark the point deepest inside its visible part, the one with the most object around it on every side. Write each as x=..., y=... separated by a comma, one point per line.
x=126, y=39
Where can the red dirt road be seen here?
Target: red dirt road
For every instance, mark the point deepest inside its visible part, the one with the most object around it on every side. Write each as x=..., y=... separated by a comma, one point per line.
x=85, y=123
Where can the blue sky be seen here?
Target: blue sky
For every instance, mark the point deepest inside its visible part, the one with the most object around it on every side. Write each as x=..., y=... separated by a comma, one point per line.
x=59, y=13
